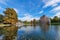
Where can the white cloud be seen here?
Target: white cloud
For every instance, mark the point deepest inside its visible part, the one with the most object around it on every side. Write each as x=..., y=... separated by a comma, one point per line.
x=54, y=5
x=55, y=9
x=57, y=14
x=1, y=8
x=50, y=3
x=16, y=10
x=4, y=2
x=45, y=1
x=28, y=17
x=52, y=17
x=41, y=12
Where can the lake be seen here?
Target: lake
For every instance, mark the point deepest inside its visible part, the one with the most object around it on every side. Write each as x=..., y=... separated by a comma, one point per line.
x=46, y=32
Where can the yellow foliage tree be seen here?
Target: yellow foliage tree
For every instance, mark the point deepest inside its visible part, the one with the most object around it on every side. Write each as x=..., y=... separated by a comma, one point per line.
x=10, y=16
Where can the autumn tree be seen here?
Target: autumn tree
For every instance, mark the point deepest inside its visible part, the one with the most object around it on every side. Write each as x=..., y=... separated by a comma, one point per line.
x=10, y=16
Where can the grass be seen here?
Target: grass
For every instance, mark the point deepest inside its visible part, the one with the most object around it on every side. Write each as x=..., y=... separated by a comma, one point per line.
x=1, y=25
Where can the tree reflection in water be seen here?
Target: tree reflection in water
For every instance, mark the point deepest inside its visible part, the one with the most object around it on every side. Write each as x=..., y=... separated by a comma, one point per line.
x=10, y=33
x=45, y=30
x=45, y=27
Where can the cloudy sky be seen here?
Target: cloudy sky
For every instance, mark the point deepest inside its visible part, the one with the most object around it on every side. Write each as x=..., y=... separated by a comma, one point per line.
x=32, y=9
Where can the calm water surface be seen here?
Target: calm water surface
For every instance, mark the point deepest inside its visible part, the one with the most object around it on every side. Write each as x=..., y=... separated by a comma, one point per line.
x=39, y=33
x=51, y=32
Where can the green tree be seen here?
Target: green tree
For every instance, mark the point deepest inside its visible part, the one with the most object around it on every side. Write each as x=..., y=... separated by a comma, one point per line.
x=59, y=20
x=51, y=20
x=19, y=21
x=34, y=21
x=31, y=22
x=25, y=22
x=1, y=18
x=55, y=19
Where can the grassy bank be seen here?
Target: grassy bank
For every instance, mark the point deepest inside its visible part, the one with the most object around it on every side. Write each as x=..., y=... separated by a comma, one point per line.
x=1, y=25
x=55, y=23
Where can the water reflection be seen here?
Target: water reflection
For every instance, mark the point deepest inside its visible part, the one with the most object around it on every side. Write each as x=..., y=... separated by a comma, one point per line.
x=45, y=28
x=45, y=32
x=10, y=33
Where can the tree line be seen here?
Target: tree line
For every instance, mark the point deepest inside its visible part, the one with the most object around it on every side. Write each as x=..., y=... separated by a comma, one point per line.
x=55, y=20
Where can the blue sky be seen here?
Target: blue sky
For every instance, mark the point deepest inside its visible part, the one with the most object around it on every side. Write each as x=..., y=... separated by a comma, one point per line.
x=32, y=9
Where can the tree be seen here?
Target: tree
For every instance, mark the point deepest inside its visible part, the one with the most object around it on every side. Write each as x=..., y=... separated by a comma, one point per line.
x=19, y=21
x=25, y=22
x=34, y=21
x=31, y=22
x=59, y=19
x=10, y=16
x=1, y=18
x=56, y=19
